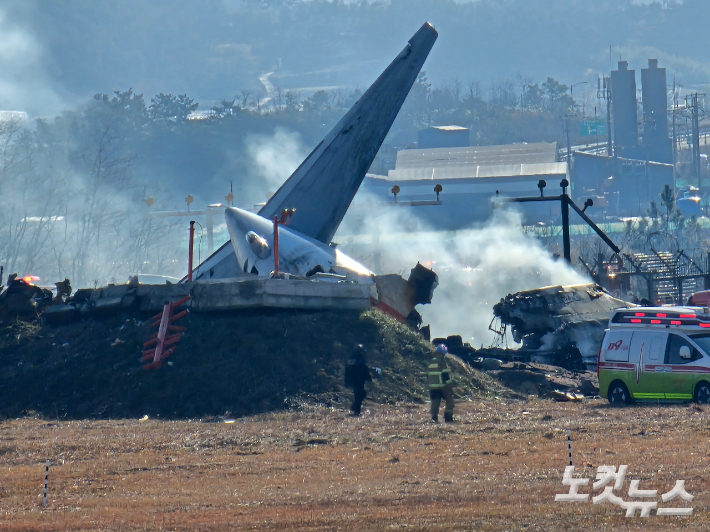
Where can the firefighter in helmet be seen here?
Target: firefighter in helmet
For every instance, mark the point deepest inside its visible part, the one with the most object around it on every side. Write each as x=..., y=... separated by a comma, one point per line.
x=440, y=385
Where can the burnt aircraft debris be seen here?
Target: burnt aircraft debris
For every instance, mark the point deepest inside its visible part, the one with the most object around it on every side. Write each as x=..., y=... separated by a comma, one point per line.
x=21, y=298
x=398, y=297
x=561, y=325
x=515, y=370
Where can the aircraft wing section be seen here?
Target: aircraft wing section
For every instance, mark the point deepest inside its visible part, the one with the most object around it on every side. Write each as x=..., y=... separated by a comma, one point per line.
x=322, y=188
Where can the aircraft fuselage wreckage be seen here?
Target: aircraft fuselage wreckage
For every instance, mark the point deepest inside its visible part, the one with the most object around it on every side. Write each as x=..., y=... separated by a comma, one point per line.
x=321, y=190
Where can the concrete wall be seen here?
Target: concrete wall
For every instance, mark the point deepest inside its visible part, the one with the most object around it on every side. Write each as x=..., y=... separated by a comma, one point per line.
x=233, y=294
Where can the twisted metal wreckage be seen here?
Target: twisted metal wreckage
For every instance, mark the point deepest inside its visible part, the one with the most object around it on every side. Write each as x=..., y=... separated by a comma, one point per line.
x=559, y=325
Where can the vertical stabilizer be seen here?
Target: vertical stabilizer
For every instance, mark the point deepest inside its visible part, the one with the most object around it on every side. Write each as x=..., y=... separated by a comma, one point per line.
x=323, y=186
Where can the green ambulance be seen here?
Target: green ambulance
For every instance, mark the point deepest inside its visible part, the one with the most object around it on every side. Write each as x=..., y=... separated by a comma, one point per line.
x=657, y=354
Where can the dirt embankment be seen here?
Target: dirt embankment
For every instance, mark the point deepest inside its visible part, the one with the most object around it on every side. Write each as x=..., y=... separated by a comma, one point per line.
x=237, y=363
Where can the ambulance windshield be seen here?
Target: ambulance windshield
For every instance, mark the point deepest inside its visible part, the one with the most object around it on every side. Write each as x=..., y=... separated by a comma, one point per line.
x=703, y=341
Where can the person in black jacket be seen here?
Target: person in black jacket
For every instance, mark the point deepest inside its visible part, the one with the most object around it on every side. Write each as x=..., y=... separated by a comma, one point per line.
x=356, y=375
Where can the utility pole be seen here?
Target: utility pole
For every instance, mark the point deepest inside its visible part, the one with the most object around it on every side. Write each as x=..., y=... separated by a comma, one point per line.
x=696, y=134
x=569, y=164
x=675, y=142
x=564, y=204
x=604, y=92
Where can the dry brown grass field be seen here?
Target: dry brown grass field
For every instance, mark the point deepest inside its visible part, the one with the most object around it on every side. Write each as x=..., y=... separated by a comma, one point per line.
x=498, y=468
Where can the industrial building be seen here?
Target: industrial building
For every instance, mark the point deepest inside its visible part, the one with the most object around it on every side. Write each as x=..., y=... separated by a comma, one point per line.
x=621, y=183
x=653, y=144
x=657, y=146
x=443, y=137
x=623, y=105
x=619, y=186
x=640, y=165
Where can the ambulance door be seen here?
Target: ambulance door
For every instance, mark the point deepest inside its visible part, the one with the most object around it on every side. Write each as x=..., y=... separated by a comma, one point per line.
x=614, y=363
x=681, y=375
x=651, y=377
x=644, y=385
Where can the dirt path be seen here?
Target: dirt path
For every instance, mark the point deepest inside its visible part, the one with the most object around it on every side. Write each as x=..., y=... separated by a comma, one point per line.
x=499, y=468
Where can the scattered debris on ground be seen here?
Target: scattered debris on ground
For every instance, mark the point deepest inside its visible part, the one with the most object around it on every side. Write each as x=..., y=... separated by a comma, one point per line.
x=526, y=378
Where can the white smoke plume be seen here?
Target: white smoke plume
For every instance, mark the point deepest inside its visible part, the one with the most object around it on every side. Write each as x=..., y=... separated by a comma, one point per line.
x=476, y=266
x=273, y=158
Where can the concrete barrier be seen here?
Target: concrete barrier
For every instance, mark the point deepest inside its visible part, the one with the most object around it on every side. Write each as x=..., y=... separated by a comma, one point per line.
x=232, y=294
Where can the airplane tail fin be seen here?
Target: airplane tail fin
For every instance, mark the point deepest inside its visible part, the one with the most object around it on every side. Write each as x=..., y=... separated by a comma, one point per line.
x=323, y=186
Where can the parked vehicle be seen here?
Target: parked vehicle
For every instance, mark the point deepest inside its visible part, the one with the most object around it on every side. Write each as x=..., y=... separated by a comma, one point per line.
x=700, y=299
x=656, y=353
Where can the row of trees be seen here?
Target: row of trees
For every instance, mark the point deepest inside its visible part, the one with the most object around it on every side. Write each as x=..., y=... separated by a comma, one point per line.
x=71, y=202
x=510, y=111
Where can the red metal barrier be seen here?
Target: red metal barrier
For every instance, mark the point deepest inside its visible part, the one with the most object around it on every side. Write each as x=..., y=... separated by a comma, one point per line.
x=161, y=339
x=276, y=246
x=283, y=220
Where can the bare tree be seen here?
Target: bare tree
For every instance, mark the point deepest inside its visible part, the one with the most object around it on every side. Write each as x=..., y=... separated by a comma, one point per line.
x=245, y=98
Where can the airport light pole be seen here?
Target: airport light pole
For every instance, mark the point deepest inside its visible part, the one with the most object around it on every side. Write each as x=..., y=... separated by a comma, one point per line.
x=209, y=213
x=565, y=203
x=573, y=86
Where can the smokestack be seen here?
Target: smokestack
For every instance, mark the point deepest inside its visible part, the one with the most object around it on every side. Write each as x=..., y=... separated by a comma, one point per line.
x=623, y=102
x=655, y=120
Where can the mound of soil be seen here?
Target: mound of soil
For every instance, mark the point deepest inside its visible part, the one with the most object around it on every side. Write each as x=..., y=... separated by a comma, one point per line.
x=237, y=364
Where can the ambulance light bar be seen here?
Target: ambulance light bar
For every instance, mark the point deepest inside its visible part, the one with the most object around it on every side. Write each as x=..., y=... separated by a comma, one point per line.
x=652, y=317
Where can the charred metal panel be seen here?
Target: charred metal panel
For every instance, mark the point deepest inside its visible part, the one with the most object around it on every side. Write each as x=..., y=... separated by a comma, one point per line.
x=422, y=281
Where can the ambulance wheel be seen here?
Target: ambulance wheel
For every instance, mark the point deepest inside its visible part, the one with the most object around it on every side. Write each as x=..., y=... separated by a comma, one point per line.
x=702, y=393
x=618, y=394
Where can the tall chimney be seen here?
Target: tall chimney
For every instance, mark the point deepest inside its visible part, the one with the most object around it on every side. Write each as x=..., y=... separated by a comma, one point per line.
x=655, y=109
x=623, y=104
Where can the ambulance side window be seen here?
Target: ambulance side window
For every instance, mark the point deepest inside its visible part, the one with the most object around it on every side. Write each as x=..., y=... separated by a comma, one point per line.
x=657, y=349
x=675, y=342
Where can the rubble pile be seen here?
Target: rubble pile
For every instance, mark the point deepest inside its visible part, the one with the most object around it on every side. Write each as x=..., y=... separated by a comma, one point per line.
x=515, y=371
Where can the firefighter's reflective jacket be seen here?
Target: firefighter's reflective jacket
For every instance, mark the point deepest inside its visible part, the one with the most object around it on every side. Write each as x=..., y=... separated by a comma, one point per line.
x=438, y=374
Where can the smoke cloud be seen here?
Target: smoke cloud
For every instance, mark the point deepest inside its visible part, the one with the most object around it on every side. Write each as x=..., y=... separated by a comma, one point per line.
x=24, y=85
x=273, y=158
x=477, y=266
